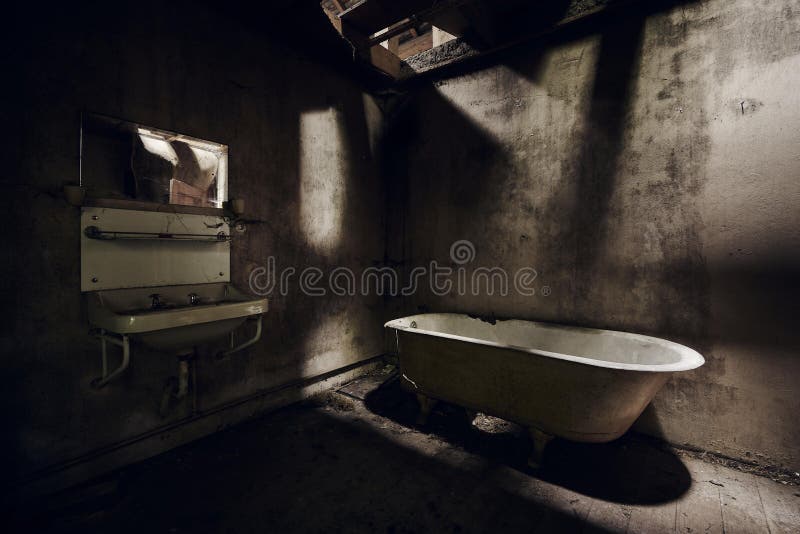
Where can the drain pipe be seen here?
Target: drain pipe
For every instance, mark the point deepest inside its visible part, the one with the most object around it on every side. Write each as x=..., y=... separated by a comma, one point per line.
x=176, y=389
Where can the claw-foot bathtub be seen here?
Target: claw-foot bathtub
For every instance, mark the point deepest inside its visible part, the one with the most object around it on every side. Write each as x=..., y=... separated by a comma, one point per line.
x=581, y=384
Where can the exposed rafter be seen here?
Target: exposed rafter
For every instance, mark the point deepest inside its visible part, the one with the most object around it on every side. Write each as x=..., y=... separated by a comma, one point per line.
x=482, y=26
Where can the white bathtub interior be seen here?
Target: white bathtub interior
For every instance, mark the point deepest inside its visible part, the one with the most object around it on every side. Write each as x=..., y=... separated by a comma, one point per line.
x=606, y=347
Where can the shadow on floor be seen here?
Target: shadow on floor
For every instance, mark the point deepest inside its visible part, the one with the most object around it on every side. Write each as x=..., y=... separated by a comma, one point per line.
x=630, y=470
x=307, y=469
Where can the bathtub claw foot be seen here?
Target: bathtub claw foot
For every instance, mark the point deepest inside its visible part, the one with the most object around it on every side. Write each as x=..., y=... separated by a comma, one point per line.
x=470, y=415
x=426, y=405
x=540, y=440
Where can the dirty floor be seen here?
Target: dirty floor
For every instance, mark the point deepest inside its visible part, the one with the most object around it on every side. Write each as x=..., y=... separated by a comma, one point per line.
x=354, y=461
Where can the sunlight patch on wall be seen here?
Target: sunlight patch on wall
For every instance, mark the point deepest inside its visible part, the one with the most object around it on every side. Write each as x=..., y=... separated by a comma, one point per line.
x=322, y=178
x=334, y=340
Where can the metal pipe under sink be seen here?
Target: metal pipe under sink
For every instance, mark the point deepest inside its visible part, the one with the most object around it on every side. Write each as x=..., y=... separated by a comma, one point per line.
x=249, y=342
x=123, y=342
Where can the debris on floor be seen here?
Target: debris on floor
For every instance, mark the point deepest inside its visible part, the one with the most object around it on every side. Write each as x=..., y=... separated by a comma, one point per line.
x=339, y=463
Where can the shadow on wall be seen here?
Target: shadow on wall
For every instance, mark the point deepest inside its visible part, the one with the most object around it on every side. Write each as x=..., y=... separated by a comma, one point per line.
x=315, y=208
x=489, y=27
x=195, y=71
x=342, y=227
x=542, y=194
x=601, y=145
x=594, y=166
x=630, y=470
x=459, y=174
x=441, y=171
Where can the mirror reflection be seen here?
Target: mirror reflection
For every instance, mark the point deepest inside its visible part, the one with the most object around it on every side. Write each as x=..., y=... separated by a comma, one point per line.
x=126, y=160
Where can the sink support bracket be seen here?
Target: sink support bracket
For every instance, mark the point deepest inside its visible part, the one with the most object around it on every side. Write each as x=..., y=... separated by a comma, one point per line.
x=246, y=344
x=123, y=342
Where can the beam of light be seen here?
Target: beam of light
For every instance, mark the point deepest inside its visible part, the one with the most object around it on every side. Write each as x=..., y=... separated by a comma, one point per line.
x=322, y=179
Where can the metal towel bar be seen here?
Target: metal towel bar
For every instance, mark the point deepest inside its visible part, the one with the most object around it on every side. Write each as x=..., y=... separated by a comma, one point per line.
x=93, y=232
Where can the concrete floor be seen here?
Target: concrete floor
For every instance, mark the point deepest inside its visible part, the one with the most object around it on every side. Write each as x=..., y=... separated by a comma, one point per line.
x=353, y=461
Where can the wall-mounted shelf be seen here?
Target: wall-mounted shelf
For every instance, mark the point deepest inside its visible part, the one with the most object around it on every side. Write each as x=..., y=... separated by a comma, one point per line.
x=140, y=205
x=93, y=232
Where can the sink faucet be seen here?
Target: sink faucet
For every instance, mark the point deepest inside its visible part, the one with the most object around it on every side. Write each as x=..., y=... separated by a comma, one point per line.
x=155, y=301
x=194, y=299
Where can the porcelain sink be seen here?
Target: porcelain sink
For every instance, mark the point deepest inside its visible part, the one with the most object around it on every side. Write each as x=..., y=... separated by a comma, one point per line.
x=173, y=318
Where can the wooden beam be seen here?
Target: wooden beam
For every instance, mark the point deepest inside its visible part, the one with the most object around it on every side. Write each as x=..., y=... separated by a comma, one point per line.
x=416, y=45
x=377, y=56
x=470, y=53
x=371, y=16
x=388, y=38
x=385, y=61
x=401, y=24
x=393, y=31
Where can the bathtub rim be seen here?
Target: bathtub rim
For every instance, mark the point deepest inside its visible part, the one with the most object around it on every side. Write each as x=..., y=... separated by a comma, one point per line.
x=690, y=358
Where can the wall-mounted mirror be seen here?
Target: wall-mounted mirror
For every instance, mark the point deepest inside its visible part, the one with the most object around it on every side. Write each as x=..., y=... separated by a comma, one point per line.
x=127, y=160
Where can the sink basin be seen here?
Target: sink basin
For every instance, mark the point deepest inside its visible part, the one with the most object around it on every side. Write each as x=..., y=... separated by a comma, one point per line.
x=184, y=316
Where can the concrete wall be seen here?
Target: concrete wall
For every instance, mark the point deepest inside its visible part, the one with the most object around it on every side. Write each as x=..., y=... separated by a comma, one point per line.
x=649, y=172
x=647, y=167
x=301, y=141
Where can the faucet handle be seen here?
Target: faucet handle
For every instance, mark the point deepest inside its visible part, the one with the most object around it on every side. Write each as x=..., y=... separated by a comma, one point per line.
x=194, y=299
